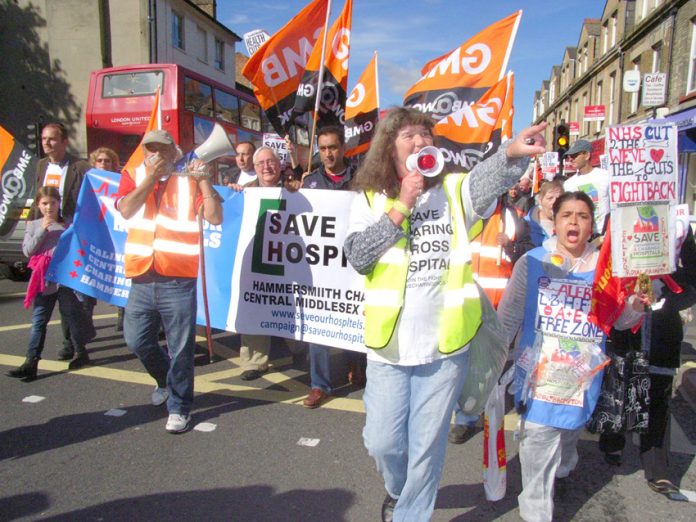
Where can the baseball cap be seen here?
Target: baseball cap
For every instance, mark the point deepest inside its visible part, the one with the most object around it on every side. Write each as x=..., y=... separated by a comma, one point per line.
x=158, y=136
x=579, y=146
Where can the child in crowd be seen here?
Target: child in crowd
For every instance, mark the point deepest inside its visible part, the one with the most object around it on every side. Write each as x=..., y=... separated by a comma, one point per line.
x=40, y=240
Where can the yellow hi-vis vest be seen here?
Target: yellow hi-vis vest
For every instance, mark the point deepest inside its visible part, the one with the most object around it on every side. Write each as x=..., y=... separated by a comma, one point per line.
x=385, y=286
x=167, y=237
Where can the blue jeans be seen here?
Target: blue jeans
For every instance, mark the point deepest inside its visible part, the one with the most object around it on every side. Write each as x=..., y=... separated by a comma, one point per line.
x=408, y=411
x=70, y=309
x=173, y=302
x=320, y=367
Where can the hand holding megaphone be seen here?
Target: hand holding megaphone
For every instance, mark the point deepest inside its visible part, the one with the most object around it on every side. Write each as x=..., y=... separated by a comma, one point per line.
x=428, y=161
x=194, y=163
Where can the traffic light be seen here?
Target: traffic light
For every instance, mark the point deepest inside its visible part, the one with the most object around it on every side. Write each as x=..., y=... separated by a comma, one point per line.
x=34, y=138
x=562, y=139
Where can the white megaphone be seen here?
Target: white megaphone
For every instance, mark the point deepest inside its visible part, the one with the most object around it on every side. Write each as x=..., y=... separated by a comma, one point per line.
x=429, y=161
x=216, y=145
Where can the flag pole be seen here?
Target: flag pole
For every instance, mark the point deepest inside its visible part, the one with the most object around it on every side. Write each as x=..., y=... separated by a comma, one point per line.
x=204, y=286
x=320, y=82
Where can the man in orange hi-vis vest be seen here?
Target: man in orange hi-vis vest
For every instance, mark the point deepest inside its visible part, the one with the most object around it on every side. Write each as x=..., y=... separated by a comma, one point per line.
x=161, y=258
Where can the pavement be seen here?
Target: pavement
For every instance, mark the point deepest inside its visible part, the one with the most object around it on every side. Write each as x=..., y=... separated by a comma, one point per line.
x=87, y=445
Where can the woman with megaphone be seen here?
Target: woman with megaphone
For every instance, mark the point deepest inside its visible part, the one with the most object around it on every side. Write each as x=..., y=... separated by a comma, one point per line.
x=409, y=234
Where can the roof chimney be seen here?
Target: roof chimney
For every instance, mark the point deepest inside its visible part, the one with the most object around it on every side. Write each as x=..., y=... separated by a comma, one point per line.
x=209, y=7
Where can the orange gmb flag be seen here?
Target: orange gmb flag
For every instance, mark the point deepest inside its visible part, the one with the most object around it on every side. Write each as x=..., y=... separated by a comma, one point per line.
x=17, y=180
x=362, y=111
x=155, y=123
x=466, y=73
x=475, y=131
x=276, y=68
x=332, y=99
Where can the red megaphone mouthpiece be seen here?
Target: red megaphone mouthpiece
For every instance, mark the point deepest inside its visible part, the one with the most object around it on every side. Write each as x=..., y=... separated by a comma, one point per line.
x=426, y=162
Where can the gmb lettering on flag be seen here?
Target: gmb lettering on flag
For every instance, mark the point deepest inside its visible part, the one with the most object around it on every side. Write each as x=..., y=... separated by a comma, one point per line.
x=475, y=131
x=17, y=171
x=334, y=77
x=463, y=75
x=276, y=68
x=362, y=111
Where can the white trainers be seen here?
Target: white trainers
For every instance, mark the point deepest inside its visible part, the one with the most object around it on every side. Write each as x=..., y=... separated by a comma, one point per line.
x=159, y=396
x=177, y=423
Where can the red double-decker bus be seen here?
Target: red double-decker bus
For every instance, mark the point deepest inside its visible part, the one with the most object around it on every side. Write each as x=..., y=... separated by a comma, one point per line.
x=120, y=101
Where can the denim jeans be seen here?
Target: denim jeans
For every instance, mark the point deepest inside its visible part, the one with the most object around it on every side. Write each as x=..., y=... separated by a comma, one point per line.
x=70, y=311
x=546, y=453
x=408, y=411
x=320, y=367
x=173, y=302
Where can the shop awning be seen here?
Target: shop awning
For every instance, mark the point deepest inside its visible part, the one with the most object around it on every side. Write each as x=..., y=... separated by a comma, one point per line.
x=686, y=126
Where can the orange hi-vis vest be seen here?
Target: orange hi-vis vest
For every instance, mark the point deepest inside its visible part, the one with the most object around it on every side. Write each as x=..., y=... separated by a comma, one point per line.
x=165, y=238
x=491, y=265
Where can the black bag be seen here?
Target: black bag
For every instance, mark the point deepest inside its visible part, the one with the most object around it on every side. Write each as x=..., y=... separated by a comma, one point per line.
x=623, y=401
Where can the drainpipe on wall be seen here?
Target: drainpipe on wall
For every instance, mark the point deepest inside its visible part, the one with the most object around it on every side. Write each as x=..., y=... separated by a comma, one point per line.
x=673, y=16
x=105, y=33
x=152, y=21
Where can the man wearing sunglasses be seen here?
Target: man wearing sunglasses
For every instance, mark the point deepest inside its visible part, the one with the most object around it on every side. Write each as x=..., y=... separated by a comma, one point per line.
x=593, y=181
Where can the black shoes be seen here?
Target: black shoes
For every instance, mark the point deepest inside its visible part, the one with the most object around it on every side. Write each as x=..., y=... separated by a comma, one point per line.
x=613, y=459
x=81, y=360
x=388, y=509
x=251, y=375
x=65, y=354
x=27, y=371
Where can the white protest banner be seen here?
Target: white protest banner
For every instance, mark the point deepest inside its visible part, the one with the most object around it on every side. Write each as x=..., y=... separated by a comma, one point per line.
x=255, y=39
x=278, y=144
x=680, y=224
x=642, y=187
x=549, y=164
x=291, y=278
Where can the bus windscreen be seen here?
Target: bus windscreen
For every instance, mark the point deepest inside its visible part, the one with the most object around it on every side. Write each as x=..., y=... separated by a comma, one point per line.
x=132, y=84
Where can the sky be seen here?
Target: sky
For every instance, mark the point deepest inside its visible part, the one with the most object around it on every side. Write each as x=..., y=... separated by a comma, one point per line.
x=408, y=33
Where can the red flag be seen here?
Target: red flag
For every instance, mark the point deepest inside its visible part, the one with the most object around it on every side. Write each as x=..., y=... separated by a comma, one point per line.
x=476, y=131
x=332, y=104
x=155, y=123
x=362, y=111
x=466, y=73
x=276, y=68
x=608, y=292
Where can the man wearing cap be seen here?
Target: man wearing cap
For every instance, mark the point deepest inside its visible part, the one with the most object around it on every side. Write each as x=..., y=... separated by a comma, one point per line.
x=161, y=258
x=591, y=180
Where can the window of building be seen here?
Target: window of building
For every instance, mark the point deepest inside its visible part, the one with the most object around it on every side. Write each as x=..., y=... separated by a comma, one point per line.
x=656, y=57
x=691, y=81
x=203, y=45
x=219, y=54
x=613, y=28
x=226, y=107
x=586, y=59
x=198, y=97
x=598, y=128
x=612, y=100
x=576, y=104
x=585, y=124
x=552, y=91
x=177, y=30
x=605, y=37
x=251, y=115
x=635, y=96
